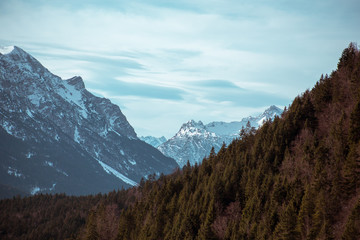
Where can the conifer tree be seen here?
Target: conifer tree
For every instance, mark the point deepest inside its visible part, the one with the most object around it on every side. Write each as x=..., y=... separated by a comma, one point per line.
x=354, y=131
x=91, y=232
x=205, y=231
x=286, y=229
x=304, y=220
x=352, y=171
x=352, y=228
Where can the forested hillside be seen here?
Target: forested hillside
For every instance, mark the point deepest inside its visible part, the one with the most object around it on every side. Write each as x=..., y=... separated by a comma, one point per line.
x=297, y=177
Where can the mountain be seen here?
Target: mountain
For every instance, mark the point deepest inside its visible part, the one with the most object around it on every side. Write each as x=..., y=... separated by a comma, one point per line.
x=153, y=141
x=55, y=136
x=194, y=140
x=296, y=177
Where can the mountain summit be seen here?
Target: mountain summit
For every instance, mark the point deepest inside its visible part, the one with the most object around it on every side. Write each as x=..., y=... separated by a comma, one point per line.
x=58, y=137
x=194, y=140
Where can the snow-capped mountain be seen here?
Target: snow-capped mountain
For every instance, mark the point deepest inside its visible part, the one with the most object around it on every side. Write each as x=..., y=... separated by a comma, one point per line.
x=153, y=141
x=194, y=140
x=58, y=137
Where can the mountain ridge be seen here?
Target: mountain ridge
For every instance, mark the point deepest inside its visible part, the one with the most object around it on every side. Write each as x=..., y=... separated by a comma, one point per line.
x=194, y=140
x=153, y=141
x=39, y=107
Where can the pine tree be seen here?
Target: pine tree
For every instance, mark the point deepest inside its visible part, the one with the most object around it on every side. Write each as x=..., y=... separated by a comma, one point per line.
x=318, y=218
x=354, y=131
x=304, y=220
x=126, y=224
x=286, y=229
x=352, y=228
x=205, y=231
x=351, y=171
x=91, y=232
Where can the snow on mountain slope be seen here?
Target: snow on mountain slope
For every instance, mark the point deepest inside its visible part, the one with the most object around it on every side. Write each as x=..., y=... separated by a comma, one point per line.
x=194, y=140
x=59, y=120
x=6, y=50
x=153, y=141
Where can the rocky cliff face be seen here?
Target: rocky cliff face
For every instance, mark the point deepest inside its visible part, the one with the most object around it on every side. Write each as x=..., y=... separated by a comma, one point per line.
x=60, y=127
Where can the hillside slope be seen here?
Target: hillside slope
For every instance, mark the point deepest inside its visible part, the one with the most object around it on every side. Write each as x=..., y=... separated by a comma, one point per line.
x=297, y=177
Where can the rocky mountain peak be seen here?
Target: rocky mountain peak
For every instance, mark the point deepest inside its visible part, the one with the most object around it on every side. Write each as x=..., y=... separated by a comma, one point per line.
x=191, y=129
x=193, y=124
x=16, y=54
x=83, y=143
x=6, y=50
x=273, y=110
x=77, y=82
x=17, y=61
x=194, y=140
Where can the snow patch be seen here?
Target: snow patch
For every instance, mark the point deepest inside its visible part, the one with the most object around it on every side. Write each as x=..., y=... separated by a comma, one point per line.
x=122, y=152
x=53, y=187
x=6, y=50
x=110, y=170
x=72, y=95
x=35, y=99
x=132, y=162
x=261, y=121
x=62, y=172
x=104, y=133
x=76, y=135
x=97, y=152
x=29, y=155
x=35, y=190
x=112, y=120
x=50, y=164
x=14, y=172
x=9, y=128
x=29, y=113
x=111, y=129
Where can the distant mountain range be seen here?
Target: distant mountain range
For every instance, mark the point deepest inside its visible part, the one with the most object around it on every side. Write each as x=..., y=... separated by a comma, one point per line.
x=194, y=140
x=55, y=136
x=153, y=141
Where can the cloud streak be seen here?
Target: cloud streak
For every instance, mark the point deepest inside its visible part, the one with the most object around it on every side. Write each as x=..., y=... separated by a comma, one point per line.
x=208, y=60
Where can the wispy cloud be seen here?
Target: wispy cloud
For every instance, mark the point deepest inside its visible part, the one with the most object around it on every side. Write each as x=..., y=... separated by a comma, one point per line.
x=144, y=90
x=210, y=60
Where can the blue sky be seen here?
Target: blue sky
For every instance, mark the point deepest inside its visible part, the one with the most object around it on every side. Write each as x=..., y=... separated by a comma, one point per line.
x=166, y=62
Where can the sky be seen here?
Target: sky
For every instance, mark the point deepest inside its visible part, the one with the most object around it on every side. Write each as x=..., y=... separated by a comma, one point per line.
x=167, y=62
